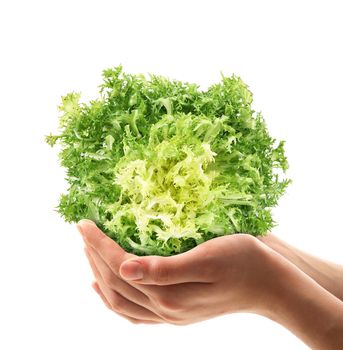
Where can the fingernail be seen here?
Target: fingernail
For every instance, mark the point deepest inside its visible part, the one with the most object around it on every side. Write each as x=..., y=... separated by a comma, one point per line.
x=81, y=223
x=86, y=221
x=132, y=270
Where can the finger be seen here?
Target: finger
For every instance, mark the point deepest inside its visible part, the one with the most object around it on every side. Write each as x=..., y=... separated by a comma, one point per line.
x=109, y=250
x=117, y=284
x=192, y=266
x=138, y=293
x=120, y=304
x=131, y=319
x=101, y=294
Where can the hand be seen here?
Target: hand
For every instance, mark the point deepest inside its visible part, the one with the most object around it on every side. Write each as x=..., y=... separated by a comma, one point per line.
x=327, y=274
x=224, y=275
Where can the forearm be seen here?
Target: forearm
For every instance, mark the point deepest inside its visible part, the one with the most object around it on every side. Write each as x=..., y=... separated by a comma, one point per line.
x=327, y=274
x=306, y=309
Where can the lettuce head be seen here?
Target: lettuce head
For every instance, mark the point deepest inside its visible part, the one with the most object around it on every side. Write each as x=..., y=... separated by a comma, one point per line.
x=161, y=166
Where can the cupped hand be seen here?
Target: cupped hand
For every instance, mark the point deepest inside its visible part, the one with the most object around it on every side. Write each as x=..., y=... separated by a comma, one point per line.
x=228, y=274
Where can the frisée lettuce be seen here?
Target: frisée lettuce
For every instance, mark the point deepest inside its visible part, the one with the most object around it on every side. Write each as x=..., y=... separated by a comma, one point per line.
x=162, y=166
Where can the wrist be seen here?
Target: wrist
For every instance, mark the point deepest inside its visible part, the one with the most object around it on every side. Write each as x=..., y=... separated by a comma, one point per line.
x=327, y=274
x=304, y=307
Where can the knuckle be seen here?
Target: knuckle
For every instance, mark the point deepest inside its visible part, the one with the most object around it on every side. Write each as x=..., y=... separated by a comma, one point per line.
x=159, y=273
x=252, y=243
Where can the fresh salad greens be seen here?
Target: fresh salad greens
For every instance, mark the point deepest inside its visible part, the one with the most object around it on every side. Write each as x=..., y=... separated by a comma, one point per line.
x=162, y=166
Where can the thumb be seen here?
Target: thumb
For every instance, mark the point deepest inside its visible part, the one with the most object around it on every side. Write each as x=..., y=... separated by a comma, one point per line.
x=186, y=267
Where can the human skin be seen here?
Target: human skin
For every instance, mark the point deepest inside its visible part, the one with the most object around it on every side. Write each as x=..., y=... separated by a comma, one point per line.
x=237, y=273
x=329, y=275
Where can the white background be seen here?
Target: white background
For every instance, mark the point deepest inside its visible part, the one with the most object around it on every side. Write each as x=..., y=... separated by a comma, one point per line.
x=289, y=53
